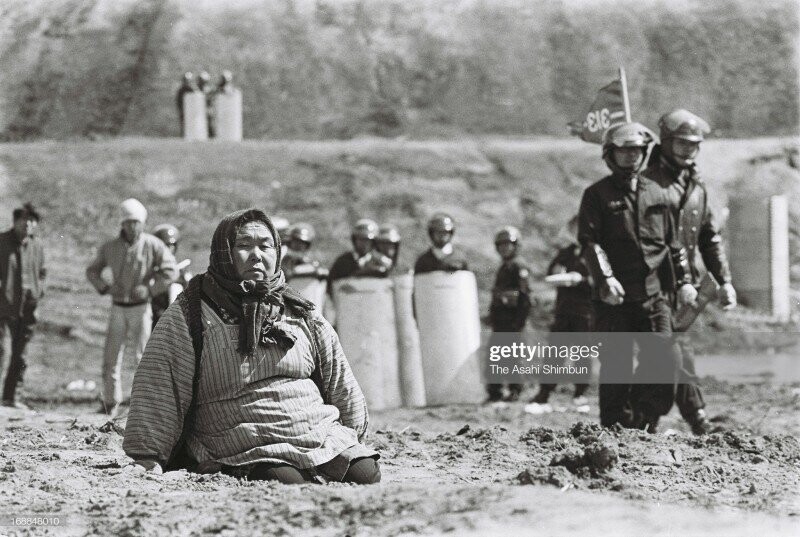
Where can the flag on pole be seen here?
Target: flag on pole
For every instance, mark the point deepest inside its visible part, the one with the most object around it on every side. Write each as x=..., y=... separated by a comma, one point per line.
x=608, y=108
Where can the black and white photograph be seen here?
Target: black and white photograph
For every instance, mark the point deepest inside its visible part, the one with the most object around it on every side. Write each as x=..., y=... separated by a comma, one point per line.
x=353, y=268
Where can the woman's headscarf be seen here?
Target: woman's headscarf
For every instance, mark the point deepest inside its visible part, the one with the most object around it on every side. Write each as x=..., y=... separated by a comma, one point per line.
x=257, y=304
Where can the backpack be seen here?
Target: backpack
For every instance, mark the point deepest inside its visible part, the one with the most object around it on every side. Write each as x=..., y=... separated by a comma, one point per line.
x=190, y=301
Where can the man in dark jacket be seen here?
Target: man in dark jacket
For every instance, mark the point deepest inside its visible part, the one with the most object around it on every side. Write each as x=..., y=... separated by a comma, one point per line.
x=187, y=86
x=362, y=260
x=442, y=255
x=22, y=275
x=297, y=261
x=573, y=308
x=672, y=165
x=626, y=231
x=511, y=302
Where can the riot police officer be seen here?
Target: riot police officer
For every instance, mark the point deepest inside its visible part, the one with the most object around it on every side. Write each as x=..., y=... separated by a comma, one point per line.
x=388, y=243
x=170, y=236
x=296, y=261
x=187, y=86
x=672, y=165
x=625, y=228
x=442, y=255
x=511, y=302
x=362, y=260
x=573, y=309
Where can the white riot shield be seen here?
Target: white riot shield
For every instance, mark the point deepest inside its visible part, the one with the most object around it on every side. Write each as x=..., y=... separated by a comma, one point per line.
x=365, y=323
x=311, y=288
x=446, y=306
x=195, y=121
x=228, y=115
x=412, y=385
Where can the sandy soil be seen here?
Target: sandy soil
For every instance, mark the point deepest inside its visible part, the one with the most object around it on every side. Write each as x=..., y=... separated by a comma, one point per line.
x=459, y=470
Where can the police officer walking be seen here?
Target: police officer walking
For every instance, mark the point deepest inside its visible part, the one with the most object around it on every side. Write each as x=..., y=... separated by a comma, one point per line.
x=442, y=255
x=672, y=165
x=626, y=231
x=511, y=302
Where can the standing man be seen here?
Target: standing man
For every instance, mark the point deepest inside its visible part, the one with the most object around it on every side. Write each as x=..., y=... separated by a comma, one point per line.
x=626, y=231
x=170, y=236
x=363, y=260
x=142, y=267
x=296, y=260
x=388, y=243
x=187, y=86
x=22, y=275
x=511, y=302
x=573, y=309
x=442, y=255
x=672, y=165
x=204, y=84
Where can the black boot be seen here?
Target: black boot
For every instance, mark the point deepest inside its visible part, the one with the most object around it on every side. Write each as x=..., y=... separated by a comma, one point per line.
x=699, y=423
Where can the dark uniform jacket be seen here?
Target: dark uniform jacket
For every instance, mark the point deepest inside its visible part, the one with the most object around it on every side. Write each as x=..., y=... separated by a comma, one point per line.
x=577, y=299
x=628, y=233
x=511, y=301
x=697, y=228
x=22, y=273
x=300, y=264
x=428, y=262
x=346, y=266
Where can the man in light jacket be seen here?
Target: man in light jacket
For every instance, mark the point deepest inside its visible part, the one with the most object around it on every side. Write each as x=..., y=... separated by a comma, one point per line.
x=141, y=266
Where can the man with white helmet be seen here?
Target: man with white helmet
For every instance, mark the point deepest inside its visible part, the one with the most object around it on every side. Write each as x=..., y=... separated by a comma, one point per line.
x=170, y=236
x=297, y=261
x=388, y=243
x=625, y=228
x=672, y=165
x=511, y=302
x=362, y=260
x=141, y=266
x=442, y=255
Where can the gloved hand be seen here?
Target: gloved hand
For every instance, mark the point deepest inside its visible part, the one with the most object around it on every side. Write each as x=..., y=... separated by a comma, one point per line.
x=687, y=294
x=149, y=466
x=612, y=292
x=577, y=278
x=727, y=296
x=140, y=292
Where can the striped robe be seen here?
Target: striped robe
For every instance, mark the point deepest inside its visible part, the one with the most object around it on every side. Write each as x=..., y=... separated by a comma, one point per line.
x=258, y=408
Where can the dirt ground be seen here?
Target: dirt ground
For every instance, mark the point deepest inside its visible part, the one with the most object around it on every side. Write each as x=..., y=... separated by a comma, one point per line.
x=456, y=470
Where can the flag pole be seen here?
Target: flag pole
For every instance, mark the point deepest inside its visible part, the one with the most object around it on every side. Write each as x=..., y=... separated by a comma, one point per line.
x=625, y=102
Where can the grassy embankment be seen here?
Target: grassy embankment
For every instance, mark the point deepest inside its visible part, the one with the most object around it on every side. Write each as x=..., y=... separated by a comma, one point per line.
x=484, y=184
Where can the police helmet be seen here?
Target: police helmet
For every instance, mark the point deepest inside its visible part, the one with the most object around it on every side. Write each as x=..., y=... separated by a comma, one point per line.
x=507, y=234
x=441, y=222
x=168, y=234
x=628, y=135
x=302, y=232
x=683, y=124
x=365, y=229
x=389, y=233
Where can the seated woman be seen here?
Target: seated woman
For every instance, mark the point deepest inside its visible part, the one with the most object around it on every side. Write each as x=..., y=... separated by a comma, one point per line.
x=243, y=376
